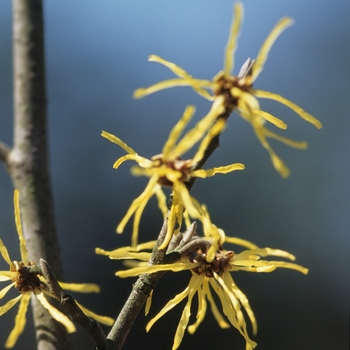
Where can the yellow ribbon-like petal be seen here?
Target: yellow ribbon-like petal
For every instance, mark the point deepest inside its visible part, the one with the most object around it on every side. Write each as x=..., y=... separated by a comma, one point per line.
x=272, y=96
x=240, y=241
x=242, y=298
x=196, y=133
x=4, y=253
x=284, y=23
x=219, y=170
x=148, y=303
x=202, y=309
x=6, y=289
x=193, y=287
x=232, y=40
x=20, y=322
x=80, y=287
x=118, y=141
x=217, y=315
x=108, y=321
x=7, y=275
x=22, y=242
x=177, y=130
x=178, y=266
x=171, y=303
x=140, y=201
x=56, y=314
x=166, y=84
x=272, y=119
x=130, y=255
x=215, y=130
x=11, y=303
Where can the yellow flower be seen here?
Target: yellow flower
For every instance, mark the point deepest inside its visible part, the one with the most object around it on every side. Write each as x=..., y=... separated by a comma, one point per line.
x=238, y=91
x=169, y=170
x=26, y=278
x=206, y=277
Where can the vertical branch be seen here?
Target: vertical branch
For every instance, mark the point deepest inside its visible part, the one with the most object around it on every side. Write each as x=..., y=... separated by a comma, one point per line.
x=27, y=163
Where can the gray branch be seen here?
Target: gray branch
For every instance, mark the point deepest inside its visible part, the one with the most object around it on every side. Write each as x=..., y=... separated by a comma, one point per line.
x=92, y=327
x=27, y=163
x=4, y=152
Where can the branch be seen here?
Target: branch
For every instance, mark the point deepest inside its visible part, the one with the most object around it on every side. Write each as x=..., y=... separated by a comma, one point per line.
x=27, y=163
x=147, y=282
x=4, y=152
x=74, y=312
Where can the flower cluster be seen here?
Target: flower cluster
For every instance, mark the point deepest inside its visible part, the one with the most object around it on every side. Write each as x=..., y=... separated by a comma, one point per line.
x=26, y=277
x=238, y=92
x=207, y=276
x=169, y=170
x=209, y=263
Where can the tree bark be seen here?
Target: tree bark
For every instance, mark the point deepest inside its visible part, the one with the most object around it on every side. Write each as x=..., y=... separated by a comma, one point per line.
x=27, y=163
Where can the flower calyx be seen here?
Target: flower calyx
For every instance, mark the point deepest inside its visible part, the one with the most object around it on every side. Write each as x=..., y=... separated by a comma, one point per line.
x=27, y=277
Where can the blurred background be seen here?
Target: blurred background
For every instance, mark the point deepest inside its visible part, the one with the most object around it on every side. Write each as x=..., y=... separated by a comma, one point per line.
x=96, y=56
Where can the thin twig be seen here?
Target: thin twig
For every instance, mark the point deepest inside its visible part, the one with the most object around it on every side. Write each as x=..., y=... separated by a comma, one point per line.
x=4, y=152
x=73, y=311
x=27, y=163
x=147, y=282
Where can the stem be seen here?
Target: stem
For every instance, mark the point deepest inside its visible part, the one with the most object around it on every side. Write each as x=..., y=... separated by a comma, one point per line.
x=147, y=282
x=27, y=163
x=4, y=152
x=74, y=312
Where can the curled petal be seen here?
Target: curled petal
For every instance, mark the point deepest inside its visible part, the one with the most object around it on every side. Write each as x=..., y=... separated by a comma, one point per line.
x=20, y=322
x=139, y=247
x=130, y=255
x=187, y=201
x=6, y=289
x=217, y=315
x=284, y=23
x=185, y=79
x=108, y=321
x=231, y=308
x=138, y=204
x=176, y=267
x=232, y=40
x=175, y=216
x=7, y=275
x=166, y=84
x=80, y=287
x=202, y=309
x=196, y=133
x=138, y=159
x=171, y=303
x=262, y=252
x=276, y=161
x=272, y=96
x=118, y=141
x=219, y=170
x=22, y=242
x=243, y=300
x=215, y=130
x=241, y=242
x=272, y=119
x=177, y=130
x=11, y=303
x=4, y=253
x=56, y=314
x=265, y=266
x=193, y=286
x=148, y=303
x=291, y=143
x=251, y=103
x=180, y=72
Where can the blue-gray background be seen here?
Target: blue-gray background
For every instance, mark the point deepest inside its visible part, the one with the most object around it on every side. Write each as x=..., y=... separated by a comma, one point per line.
x=96, y=55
